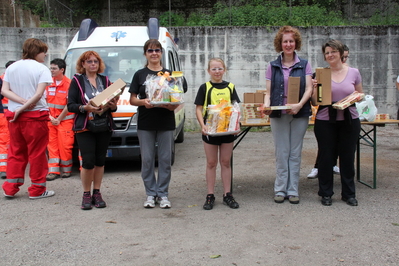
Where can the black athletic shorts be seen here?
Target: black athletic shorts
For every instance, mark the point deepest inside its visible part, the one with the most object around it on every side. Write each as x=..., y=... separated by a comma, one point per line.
x=218, y=140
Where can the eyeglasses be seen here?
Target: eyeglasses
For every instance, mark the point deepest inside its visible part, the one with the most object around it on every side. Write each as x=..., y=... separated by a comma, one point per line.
x=150, y=51
x=217, y=69
x=332, y=52
x=92, y=61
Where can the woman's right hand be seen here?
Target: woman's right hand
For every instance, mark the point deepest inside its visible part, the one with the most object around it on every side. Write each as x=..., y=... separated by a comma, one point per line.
x=90, y=108
x=147, y=104
x=204, y=130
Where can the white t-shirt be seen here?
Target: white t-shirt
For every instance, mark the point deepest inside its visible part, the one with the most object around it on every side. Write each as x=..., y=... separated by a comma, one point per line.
x=24, y=76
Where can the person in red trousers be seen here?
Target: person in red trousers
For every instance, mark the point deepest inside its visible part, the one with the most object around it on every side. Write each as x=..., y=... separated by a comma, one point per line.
x=24, y=84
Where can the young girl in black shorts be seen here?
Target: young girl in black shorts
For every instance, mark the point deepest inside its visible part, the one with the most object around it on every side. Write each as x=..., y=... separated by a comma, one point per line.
x=216, y=147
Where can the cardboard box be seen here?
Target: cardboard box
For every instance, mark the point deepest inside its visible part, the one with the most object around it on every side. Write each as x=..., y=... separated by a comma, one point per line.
x=259, y=98
x=250, y=97
x=108, y=94
x=293, y=89
x=322, y=94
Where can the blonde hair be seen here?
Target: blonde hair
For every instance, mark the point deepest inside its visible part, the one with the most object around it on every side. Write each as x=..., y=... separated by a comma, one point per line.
x=217, y=59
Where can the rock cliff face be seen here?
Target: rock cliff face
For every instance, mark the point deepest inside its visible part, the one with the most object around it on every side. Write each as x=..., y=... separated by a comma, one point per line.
x=12, y=15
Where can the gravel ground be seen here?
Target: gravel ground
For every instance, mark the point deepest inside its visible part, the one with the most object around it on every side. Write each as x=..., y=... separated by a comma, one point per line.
x=54, y=231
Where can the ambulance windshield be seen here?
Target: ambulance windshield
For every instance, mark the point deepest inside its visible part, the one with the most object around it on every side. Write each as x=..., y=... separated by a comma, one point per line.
x=120, y=62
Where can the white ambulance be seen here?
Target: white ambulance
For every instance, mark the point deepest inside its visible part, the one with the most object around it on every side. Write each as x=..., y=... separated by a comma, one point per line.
x=121, y=48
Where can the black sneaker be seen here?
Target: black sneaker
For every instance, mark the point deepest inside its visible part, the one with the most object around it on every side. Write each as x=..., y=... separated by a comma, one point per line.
x=350, y=201
x=326, y=201
x=86, y=202
x=230, y=201
x=210, y=200
x=98, y=201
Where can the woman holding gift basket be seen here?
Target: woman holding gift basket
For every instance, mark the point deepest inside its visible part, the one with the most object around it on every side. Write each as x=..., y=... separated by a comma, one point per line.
x=93, y=141
x=155, y=124
x=288, y=126
x=220, y=147
x=337, y=131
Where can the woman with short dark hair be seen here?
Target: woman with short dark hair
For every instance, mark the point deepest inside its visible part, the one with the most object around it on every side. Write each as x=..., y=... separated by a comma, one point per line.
x=155, y=124
x=337, y=131
x=24, y=85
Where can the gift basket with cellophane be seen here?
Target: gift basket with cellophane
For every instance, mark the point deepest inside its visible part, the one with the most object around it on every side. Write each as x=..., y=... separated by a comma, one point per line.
x=223, y=118
x=165, y=88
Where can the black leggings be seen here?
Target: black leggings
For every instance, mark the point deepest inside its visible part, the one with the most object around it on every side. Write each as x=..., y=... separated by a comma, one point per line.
x=337, y=138
x=93, y=147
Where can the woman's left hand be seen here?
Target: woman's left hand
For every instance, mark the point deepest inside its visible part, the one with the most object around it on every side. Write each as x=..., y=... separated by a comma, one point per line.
x=113, y=104
x=295, y=108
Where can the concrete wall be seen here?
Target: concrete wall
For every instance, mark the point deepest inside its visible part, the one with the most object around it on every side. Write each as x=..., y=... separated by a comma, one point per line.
x=247, y=51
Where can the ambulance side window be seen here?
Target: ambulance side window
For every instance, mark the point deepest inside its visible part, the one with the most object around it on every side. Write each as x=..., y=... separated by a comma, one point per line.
x=177, y=61
x=172, y=65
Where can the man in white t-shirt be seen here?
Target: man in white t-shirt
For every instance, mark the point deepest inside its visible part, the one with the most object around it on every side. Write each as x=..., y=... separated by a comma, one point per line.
x=24, y=84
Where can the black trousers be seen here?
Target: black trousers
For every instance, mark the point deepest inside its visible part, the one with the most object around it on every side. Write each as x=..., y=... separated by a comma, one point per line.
x=339, y=138
x=93, y=147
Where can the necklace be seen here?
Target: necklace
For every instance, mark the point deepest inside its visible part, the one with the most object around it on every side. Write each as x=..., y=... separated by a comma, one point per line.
x=94, y=90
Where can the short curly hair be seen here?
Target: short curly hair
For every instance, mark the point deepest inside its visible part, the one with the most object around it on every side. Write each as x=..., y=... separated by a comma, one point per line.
x=85, y=56
x=279, y=38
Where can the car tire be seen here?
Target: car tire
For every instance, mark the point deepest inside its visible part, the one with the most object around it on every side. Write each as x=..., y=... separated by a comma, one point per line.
x=180, y=137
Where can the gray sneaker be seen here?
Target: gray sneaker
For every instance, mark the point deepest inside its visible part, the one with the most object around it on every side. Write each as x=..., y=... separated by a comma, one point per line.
x=279, y=199
x=3, y=175
x=164, y=203
x=52, y=176
x=150, y=202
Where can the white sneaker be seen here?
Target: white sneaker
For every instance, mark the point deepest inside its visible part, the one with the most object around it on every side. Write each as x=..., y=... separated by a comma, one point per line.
x=336, y=170
x=150, y=202
x=313, y=173
x=164, y=203
x=8, y=196
x=46, y=194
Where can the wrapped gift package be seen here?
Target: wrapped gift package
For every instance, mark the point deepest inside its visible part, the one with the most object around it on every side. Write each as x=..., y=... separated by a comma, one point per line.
x=165, y=88
x=348, y=100
x=223, y=119
x=382, y=116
